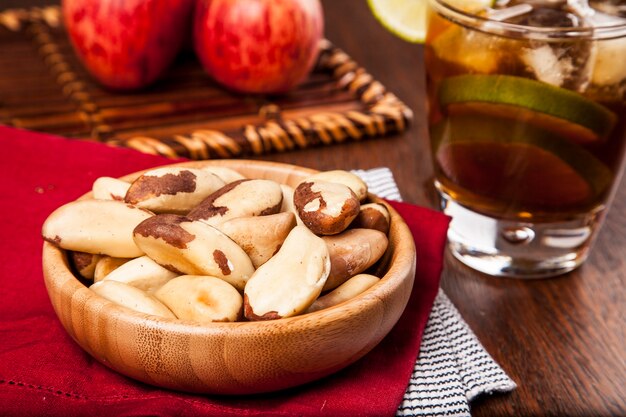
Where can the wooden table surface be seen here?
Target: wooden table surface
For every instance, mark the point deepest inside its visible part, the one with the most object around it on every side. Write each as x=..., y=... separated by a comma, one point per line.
x=562, y=340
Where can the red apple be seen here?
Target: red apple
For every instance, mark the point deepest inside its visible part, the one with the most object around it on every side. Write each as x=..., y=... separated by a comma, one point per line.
x=127, y=44
x=258, y=46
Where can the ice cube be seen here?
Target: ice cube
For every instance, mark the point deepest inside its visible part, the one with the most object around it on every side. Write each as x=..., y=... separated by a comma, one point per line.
x=610, y=65
x=545, y=65
x=564, y=64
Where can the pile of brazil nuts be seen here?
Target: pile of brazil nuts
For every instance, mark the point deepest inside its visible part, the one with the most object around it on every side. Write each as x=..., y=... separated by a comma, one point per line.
x=209, y=245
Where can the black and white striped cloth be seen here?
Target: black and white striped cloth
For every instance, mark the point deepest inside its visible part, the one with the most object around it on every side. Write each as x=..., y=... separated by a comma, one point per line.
x=452, y=368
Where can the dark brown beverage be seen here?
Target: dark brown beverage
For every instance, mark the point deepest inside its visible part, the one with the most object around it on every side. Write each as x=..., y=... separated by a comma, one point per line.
x=527, y=124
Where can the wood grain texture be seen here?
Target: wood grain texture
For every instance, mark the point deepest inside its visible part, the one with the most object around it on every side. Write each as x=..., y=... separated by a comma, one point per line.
x=235, y=358
x=562, y=340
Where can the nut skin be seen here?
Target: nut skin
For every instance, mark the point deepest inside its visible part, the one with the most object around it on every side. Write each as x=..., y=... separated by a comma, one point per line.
x=352, y=252
x=250, y=315
x=84, y=263
x=324, y=207
x=193, y=248
x=209, y=209
x=372, y=216
x=151, y=186
x=291, y=280
x=166, y=227
x=222, y=262
x=172, y=189
x=247, y=197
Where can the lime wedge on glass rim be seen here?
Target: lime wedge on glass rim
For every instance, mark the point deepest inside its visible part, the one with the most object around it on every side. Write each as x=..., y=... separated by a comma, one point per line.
x=407, y=18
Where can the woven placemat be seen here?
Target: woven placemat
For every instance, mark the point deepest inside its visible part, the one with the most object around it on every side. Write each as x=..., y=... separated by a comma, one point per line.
x=44, y=87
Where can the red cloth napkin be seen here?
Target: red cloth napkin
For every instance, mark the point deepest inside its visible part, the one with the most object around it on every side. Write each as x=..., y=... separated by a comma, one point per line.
x=44, y=372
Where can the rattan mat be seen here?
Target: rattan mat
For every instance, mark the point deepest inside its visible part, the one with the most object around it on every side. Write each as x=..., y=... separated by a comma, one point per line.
x=44, y=87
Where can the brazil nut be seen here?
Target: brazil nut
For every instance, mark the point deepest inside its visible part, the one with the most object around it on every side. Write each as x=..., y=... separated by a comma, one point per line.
x=352, y=252
x=107, y=188
x=373, y=216
x=338, y=176
x=239, y=198
x=172, y=189
x=289, y=283
x=193, y=248
x=102, y=227
x=201, y=298
x=326, y=208
x=260, y=236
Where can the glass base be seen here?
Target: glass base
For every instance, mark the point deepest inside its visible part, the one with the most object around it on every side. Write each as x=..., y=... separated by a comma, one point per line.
x=517, y=249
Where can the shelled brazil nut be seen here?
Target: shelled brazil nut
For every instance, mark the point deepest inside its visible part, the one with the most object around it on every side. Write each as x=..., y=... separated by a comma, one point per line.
x=172, y=189
x=352, y=252
x=103, y=227
x=327, y=208
x=194, y=248
x=246, y=197
x=208, y=244
x=372, y=216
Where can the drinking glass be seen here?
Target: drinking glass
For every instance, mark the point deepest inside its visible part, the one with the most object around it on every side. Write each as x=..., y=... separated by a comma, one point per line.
x=527, y=121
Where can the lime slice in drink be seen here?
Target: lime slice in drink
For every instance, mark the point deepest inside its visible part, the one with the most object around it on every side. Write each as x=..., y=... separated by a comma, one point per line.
x=560, y=111
x=407, y=18
x=496, y=159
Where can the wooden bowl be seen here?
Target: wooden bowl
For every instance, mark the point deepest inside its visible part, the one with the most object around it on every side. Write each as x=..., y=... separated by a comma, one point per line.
x=235, y=358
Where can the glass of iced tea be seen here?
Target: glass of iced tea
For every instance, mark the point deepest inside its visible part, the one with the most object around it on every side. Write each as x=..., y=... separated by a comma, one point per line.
x=527, y=120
